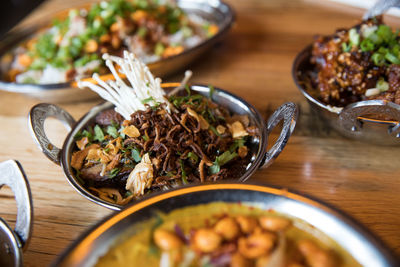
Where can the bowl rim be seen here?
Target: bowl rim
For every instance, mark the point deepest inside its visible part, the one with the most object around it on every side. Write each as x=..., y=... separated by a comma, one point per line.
x=100, y=227
x=25, y=33
x=68, y=142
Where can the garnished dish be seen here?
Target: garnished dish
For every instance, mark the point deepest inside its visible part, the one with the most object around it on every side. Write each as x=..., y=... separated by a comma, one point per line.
x=360, y=63
x=71, y=47
x=227, y=234
x=153, y=140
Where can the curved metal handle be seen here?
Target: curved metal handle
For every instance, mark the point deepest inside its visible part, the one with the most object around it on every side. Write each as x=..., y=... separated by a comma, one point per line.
x=349, y=117
x=288, y=112
x=37, y=117
x=12, y=175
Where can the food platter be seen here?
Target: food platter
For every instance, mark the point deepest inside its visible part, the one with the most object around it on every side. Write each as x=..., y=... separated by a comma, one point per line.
x=353, y=237
x=260, y=155
x=218, y=12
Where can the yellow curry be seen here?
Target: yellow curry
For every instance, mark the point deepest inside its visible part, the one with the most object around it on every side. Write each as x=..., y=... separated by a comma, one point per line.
x=226, y=234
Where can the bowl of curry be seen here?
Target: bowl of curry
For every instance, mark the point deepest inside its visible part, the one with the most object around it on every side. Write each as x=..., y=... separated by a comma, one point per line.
x=227, y=225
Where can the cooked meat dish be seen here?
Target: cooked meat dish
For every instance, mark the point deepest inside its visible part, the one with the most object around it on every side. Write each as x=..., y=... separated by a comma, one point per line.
x=152, y=140
x=360, y=63
x=199, y=142
x=226, y=234
x=71, y=47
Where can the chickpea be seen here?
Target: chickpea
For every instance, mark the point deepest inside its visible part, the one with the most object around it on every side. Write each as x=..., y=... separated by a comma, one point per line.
x=247, y=224
x=114, y=27
x=227, y=228
x=166, y=240
x=24, y=60
x=256, y=245
x=315, y=256
x=263, y=261
x=138, y=15
x=295, y=264
x=105, y=38
x=91, y=46
x=274, y=224
x=238, y=260
x=206, y=240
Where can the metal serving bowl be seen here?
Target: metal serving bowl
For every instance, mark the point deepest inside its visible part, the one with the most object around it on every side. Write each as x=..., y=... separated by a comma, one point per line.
x=350, y=235
x=258, y=148
x=350, y=120
x=215, y=11
x=13, y=242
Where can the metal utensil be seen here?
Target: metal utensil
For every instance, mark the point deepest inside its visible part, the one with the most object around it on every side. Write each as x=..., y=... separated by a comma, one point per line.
x=258, y=144
x=380, y=7
x=350, y=235
x=13, y=242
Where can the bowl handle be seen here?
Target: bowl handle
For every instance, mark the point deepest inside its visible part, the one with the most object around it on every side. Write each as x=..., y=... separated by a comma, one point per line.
x=349, y=117
x=288, y=112
x=12, y=175
x=37, y=117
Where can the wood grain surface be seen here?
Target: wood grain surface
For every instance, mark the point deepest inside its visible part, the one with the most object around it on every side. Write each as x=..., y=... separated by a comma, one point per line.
x=254, y=62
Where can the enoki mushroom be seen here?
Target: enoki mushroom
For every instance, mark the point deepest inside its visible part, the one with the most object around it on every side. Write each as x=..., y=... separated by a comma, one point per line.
x=142, y=89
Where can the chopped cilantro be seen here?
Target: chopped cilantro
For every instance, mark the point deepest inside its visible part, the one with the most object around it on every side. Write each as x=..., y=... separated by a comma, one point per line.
x=136, y=155
x=111, y=130
x=98, y=134
x=221, y=160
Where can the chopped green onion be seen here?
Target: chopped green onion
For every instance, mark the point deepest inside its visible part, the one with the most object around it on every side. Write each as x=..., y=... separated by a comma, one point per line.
x=212, y=128
x=392, y=58
x=184, y=180
x=382, y=85
x=114, y=172
x=193, y=157
x=354, y=37
x=145, y=138
x=212, y=90
x=187, y=89
x=378, y=59
x=367, y=45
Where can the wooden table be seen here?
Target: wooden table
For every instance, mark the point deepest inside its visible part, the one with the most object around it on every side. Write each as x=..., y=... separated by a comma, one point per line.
x=253, y=62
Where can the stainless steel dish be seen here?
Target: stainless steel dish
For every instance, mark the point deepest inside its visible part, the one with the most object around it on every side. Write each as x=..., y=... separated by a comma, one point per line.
x=258, y=148
x=349, y=121
x=13, y=242
x=212, y=10
x=350, y=235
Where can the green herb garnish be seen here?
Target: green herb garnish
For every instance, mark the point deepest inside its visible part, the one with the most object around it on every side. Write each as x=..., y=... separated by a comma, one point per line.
x=111, y=130
x=136, y=155
x=98, y=134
